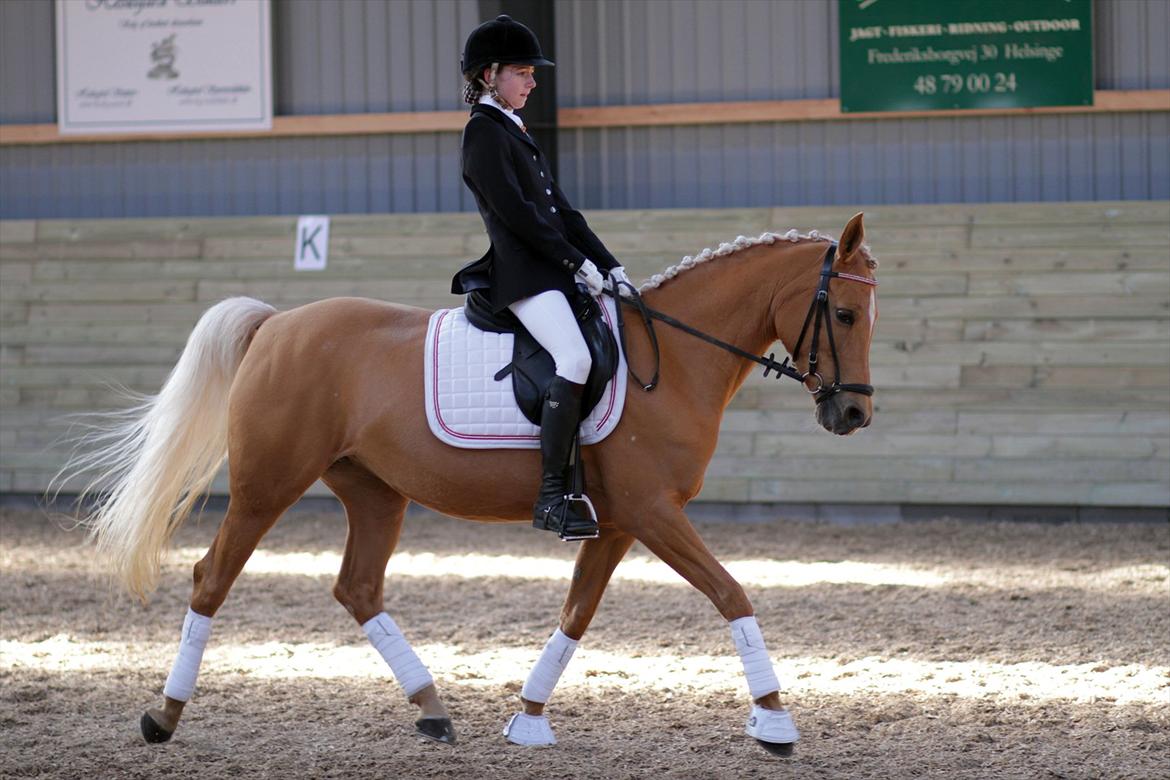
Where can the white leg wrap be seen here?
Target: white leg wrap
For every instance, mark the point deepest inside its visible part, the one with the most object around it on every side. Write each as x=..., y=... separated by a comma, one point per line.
x=757, y=666
x=181, y=681
x=384, y=635
x=543, y=677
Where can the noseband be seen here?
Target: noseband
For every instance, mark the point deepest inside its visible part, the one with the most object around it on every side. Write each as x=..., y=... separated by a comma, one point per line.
x=818, y=315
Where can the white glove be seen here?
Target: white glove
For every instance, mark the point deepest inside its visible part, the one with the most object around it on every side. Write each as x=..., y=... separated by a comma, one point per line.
x=589, y=274
x=618, y=274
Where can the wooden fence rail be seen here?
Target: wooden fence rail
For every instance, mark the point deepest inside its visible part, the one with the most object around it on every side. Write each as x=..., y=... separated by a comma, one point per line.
x=1022, y=353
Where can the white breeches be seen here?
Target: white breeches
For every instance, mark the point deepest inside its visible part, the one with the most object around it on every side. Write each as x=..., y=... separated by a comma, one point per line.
x=550, y=321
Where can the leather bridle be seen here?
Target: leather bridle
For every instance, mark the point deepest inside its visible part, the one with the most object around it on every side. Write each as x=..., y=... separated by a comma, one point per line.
x=818, y=316
x=818, y=313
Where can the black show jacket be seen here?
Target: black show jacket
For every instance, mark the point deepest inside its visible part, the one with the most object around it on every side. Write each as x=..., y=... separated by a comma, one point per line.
x=538, y=241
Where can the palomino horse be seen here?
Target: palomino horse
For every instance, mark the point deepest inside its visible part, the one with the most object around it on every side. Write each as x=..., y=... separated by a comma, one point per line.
x=334, y=390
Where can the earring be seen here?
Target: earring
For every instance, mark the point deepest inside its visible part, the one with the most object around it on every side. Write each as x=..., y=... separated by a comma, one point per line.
x=492, y=91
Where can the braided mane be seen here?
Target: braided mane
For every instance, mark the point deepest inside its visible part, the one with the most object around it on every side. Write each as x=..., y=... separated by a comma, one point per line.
x=740, y=243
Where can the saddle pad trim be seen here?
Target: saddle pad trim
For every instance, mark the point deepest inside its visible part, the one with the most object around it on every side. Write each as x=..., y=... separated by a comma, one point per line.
x=600, y=423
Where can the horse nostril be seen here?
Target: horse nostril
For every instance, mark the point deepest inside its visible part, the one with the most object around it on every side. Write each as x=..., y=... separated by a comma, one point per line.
x=855, y=417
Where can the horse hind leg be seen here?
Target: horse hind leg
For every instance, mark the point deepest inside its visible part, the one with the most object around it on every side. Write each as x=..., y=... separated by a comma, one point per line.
x=374, y=513
x=251, y=513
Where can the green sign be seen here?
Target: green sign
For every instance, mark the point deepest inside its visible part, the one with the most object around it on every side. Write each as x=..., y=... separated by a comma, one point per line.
x=924, y=55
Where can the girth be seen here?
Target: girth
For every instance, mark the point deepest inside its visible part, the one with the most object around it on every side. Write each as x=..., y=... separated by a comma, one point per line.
x=532, y=367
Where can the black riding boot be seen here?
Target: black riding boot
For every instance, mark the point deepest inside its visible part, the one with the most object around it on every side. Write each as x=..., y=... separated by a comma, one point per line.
x=558, y=422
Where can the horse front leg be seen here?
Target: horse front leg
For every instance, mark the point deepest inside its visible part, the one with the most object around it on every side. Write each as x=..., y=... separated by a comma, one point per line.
x=673, y=539
x=596, y=561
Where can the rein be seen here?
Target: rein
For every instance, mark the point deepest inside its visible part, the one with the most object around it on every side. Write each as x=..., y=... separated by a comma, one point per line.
x=818, y=314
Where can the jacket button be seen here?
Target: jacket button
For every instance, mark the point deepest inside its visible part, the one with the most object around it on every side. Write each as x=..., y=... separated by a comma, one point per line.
x=542, y=174
x=566, y=262
x=534, y=157
x=553, y=209
x=548, y=192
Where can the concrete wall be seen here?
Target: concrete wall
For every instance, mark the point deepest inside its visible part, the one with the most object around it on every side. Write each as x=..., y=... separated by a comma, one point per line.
x=1022, y=353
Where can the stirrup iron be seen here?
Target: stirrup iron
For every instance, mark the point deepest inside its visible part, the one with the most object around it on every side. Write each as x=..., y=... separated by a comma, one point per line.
x=580, y=535
x=556, y=516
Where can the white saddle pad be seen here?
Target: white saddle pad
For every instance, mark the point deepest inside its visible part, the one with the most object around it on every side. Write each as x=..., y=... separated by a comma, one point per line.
x=468, y=408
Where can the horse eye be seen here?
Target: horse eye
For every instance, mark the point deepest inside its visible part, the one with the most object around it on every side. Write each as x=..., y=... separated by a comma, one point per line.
x=844, y=316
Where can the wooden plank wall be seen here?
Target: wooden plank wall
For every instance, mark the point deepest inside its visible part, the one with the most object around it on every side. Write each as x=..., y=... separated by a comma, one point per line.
x=1022, y=354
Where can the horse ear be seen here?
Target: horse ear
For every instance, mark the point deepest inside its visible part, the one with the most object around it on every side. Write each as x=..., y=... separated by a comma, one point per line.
x=851, y=239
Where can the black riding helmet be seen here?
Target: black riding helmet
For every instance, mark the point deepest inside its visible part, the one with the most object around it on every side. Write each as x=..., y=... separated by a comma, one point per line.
x=501, y=40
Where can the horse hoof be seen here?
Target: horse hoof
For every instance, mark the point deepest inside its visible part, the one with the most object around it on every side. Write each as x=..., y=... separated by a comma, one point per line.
x=783, y=749
x=436, y=729
x=152, y=732
x=773, y=729
x=529, y=730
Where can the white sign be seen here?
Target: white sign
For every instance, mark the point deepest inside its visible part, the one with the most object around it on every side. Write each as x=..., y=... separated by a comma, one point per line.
x=312, y=250
x=149, y=66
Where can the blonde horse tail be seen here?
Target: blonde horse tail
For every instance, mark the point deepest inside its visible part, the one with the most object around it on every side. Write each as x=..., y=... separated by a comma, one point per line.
x=151, y=462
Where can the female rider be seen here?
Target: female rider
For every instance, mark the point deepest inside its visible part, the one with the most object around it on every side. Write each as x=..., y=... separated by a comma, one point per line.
x=540, y=246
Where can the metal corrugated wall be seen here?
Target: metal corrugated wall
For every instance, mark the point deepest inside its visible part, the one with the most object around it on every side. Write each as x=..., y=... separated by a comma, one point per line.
x=361, y=174
x=352, y=56
x=1133, y=44
x=340, y=56
x=945, y=160
x=369, y=56
x=28, y=89
x=629, y=52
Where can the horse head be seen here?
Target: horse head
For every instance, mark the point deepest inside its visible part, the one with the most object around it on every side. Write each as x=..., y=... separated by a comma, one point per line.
x=830, y=340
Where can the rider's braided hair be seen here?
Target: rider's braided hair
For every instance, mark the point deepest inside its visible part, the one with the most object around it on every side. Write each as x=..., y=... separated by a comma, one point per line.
x=473, y=88
x=476, y=86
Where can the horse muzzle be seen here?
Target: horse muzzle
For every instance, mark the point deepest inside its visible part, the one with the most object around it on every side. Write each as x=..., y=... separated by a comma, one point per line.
x=843, y=413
